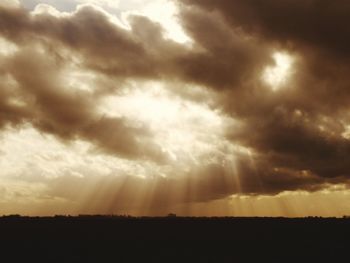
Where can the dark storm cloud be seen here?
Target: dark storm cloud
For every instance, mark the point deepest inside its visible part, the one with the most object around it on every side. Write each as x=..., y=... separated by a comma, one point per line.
x=232, y=43
x=225, y=58
x=315, y=31
x=298, y=145
x=316, y=22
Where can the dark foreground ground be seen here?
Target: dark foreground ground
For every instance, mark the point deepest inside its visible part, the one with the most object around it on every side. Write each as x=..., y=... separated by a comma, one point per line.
x=123, y=239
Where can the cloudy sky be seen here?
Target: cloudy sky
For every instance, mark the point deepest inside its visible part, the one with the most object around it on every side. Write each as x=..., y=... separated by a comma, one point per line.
x=194, y=107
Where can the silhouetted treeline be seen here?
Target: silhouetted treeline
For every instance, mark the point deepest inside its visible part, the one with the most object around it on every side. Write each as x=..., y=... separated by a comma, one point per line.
x=168, y=217
x=96, y=238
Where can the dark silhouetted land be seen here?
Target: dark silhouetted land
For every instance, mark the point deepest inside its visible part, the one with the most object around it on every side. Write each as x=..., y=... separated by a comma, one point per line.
x=174, y=239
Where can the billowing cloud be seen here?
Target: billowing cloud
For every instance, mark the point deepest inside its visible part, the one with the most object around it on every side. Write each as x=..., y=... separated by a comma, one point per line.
x=199, y=116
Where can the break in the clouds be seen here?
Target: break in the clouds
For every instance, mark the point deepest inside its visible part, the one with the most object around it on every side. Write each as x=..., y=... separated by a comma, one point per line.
x=149, y=106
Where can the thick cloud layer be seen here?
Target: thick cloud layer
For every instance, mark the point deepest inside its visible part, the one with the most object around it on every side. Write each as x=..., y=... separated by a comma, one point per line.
x=317, y=23
x=296, y=136
x=302, y=126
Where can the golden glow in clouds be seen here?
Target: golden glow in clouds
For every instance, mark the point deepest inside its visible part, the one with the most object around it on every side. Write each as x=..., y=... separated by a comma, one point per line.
x=185, y=130
x=277, y=76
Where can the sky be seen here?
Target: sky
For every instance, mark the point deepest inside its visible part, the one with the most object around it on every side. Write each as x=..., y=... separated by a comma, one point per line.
x=199, y=108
